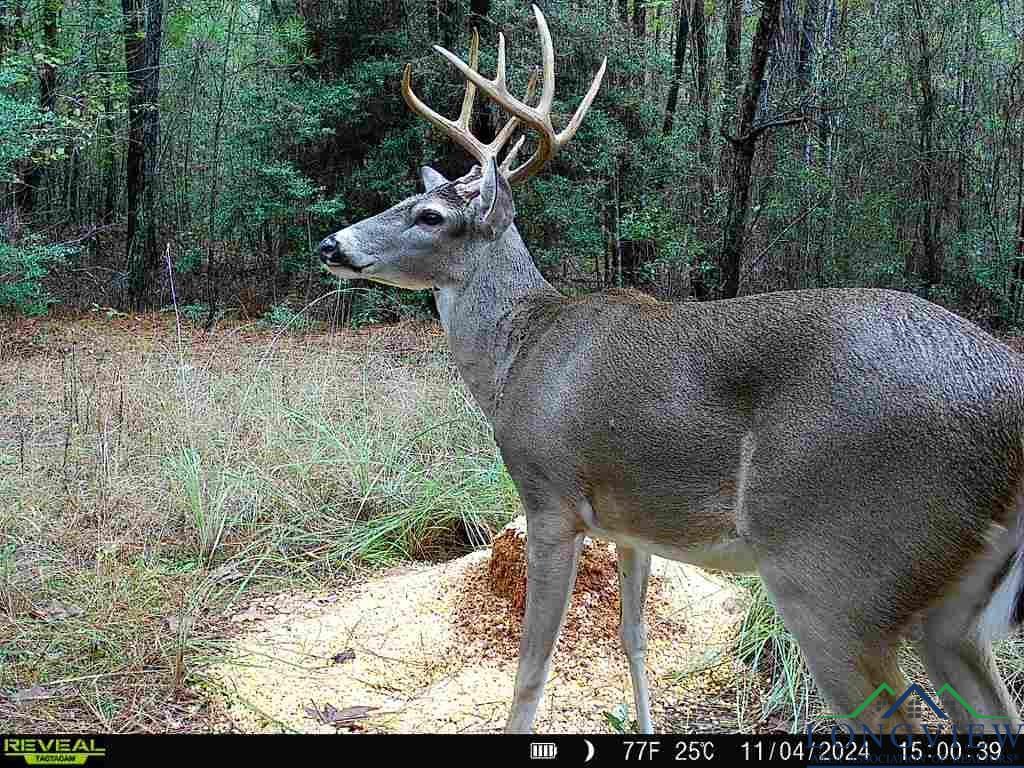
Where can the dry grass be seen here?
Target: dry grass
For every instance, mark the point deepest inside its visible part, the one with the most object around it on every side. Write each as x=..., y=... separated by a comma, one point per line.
x=151, y=482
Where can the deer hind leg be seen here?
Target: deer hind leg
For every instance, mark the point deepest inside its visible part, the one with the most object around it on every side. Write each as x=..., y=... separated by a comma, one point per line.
x=956, y=643
x=552, y=554
x=967, y=665
x=634, y=571
x=848, y=666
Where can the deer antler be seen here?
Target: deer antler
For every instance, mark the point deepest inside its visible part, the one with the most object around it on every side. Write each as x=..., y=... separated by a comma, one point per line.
x=538, y=118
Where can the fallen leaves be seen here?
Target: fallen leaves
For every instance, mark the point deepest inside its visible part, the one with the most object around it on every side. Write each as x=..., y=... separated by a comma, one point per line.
x=56, y=611
x=347, y=655
x=339, y=718
x=35, y=693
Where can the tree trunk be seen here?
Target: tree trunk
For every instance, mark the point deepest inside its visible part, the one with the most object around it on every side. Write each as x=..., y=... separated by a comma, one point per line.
x=805, y=54
x=478, y=10
x=702, y=97
x=27, y=192
x=1018, y=264
x=3, y=30
x=825, y=46
x=134, y=57
x=733, y=26
x=682, y=37
x=744, y=148
x=47, y=70
x=212, y=287
x=150, y=259
x=930, y=222
x=106, y=212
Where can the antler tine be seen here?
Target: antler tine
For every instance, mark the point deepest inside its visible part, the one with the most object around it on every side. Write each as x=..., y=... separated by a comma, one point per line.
x=550, y=142
x=509, y=127
x=511, y=156
x=547, y=48
x=467, y=101
x=499, y=77
x=581, y=110
x=458, y=130
x=458, y=134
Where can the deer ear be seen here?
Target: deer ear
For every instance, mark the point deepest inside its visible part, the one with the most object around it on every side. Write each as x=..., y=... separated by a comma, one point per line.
x=495, y=202
x=431, y=178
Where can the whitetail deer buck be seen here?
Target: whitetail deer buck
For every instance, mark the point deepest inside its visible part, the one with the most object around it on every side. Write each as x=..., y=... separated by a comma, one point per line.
x=861, y=449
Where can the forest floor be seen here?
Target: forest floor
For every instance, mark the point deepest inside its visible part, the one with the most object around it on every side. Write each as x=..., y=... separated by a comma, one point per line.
x=157, y=479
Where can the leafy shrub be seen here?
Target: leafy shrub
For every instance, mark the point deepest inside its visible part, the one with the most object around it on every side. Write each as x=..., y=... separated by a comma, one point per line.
x=283, y=316
x=23, y=266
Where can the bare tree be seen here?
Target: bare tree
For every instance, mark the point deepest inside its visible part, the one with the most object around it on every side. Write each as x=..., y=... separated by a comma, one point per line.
x=134, y=58
x=26, y=196
x=682, y=36
x=151, y=144
x=743, y=147
x=924, y=262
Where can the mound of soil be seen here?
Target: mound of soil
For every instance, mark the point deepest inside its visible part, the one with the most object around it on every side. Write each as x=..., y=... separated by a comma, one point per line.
x=489, y=612
x=432, y=649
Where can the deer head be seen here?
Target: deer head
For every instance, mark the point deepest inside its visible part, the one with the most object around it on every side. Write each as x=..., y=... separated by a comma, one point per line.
x=437, y=238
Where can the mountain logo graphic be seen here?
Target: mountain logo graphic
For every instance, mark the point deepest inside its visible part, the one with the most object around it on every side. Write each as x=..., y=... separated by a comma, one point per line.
x=925, y=700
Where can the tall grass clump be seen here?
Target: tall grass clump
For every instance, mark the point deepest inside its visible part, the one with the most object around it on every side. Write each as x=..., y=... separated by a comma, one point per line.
x=782, y=684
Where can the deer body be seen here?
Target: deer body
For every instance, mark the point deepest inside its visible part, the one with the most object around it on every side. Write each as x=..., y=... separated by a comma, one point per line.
x=863, y=450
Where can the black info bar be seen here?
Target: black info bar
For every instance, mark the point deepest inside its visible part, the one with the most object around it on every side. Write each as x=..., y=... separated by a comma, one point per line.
x=836, y=749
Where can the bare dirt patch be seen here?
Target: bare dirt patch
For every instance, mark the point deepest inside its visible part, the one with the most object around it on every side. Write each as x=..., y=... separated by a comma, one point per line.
x=428, y=651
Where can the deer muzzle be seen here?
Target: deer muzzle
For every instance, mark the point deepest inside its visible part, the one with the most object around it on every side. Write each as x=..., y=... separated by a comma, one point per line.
x=334, y=254
x=331, y=253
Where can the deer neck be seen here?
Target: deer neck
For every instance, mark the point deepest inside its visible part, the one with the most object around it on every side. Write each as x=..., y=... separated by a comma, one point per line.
x=476, y=312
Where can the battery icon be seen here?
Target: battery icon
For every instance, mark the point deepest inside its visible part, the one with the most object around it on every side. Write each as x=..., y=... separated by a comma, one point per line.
x=543, y=750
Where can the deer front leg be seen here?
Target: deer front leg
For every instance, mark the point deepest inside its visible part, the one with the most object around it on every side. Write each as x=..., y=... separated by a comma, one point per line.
x=552, y=552
x=634, y=570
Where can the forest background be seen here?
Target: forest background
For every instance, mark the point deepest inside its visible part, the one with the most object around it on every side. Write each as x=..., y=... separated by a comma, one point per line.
x=735, y=147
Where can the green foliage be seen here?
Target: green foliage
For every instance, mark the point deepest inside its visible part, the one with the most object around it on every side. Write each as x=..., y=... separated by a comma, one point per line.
x=772, y=654
x=262, y=194
x=280, y=125
x=195, y=313
x=25, y=128
x=284, y=317
x=189, y=261
x=327, y=211
x=619, y=721
x=23, y=267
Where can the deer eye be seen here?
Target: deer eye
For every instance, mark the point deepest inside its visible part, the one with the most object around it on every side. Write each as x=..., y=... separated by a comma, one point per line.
x=430, y=218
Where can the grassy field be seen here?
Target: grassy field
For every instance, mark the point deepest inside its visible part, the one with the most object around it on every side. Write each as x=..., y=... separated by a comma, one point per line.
x=153, y=478
x=150, y=482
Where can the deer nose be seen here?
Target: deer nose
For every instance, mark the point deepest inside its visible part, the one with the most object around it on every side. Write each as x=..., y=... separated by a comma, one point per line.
x=330, y=253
